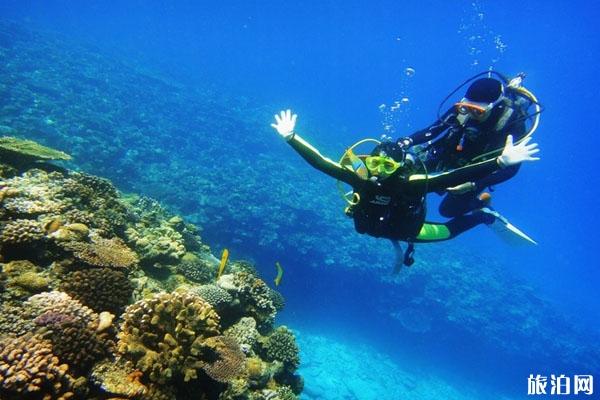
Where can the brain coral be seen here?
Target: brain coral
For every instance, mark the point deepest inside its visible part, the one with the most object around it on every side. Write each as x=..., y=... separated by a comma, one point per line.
x=281, y=346
x=29, y=370
x=101, y=289
x=163, y=334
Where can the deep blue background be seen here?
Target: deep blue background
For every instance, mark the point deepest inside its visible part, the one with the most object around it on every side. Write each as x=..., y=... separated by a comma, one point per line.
x=336, y=62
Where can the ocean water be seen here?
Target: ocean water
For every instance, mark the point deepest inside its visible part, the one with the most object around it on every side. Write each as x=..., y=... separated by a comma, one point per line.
x=174, y=100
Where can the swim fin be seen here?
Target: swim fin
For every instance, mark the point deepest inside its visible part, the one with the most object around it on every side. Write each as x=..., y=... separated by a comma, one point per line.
x=507, y=231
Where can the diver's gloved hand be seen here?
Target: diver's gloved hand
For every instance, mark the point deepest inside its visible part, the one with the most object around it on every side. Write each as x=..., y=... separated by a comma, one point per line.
x=462, y=188
x=285, y=124
x=512, y=155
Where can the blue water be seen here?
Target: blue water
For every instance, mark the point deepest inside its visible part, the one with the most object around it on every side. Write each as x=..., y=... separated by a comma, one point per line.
x=335, y=63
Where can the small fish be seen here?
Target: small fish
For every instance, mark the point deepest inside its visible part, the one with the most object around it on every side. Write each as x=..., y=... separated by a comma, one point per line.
x=224, y=258
x=279, y=273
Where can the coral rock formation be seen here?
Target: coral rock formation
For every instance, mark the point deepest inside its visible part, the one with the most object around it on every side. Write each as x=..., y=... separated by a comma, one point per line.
x=163, y=334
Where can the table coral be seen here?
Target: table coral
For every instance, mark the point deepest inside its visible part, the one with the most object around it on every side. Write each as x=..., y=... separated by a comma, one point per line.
x=19, y=149
x=162, y=334
x=102, y=252
x=221, y=358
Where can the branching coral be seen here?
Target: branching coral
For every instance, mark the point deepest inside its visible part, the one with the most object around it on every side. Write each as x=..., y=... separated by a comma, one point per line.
x=163, y=335
x=28, y=369
x=21, y=232
x=33, y=193
x=101, y=289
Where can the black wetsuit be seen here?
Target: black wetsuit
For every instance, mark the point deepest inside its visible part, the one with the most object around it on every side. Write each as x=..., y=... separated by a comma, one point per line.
x=394, y=208
x=447, y=145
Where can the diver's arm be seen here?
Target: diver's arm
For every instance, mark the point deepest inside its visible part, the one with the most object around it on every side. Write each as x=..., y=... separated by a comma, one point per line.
x=322, y=163
x=440, y=181
x=285, y=127
x=511, y=156
x=502, y=175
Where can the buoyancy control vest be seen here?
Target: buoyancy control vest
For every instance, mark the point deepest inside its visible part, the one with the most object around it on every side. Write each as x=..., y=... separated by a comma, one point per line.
x=385, y=210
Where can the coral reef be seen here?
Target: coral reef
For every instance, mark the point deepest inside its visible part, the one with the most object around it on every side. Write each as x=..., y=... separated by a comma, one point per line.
x=195, y=269
x=75, y=232
x=23, y=278
x=244, y=332
x=217, y=297
x=281, y=346
x=29, y=370
x=101, y=289
x=163, y=333
x=21, y=231
x=222, y=358
x=102, y=252
x=19, y=151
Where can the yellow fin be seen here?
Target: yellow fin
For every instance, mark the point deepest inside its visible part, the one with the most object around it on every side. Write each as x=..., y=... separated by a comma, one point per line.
x=279, y=273
x=224, y=258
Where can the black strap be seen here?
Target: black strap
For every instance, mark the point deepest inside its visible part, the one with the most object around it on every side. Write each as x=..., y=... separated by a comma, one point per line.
x=408, y=255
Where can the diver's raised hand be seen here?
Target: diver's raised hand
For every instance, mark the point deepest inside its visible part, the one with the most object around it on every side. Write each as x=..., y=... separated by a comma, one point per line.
x=285, y=124
x=512, y=155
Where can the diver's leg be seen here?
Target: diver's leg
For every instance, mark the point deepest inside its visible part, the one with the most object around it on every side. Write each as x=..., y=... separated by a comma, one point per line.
x=454, y=205
x=437, y=232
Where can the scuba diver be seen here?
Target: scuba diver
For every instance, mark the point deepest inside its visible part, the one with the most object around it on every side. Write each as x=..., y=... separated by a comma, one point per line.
x=389, y=188
x=474, y=130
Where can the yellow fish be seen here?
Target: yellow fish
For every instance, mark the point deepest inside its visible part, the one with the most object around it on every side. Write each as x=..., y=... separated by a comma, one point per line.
x=224, y=258
x=279, y=273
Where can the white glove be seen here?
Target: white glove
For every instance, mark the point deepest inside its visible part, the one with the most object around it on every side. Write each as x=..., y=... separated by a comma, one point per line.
x=512, y=155
x=285, y=124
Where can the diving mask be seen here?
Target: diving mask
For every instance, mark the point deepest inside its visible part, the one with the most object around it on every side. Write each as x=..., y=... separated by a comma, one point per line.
x=382, y=164
x=475, y=109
